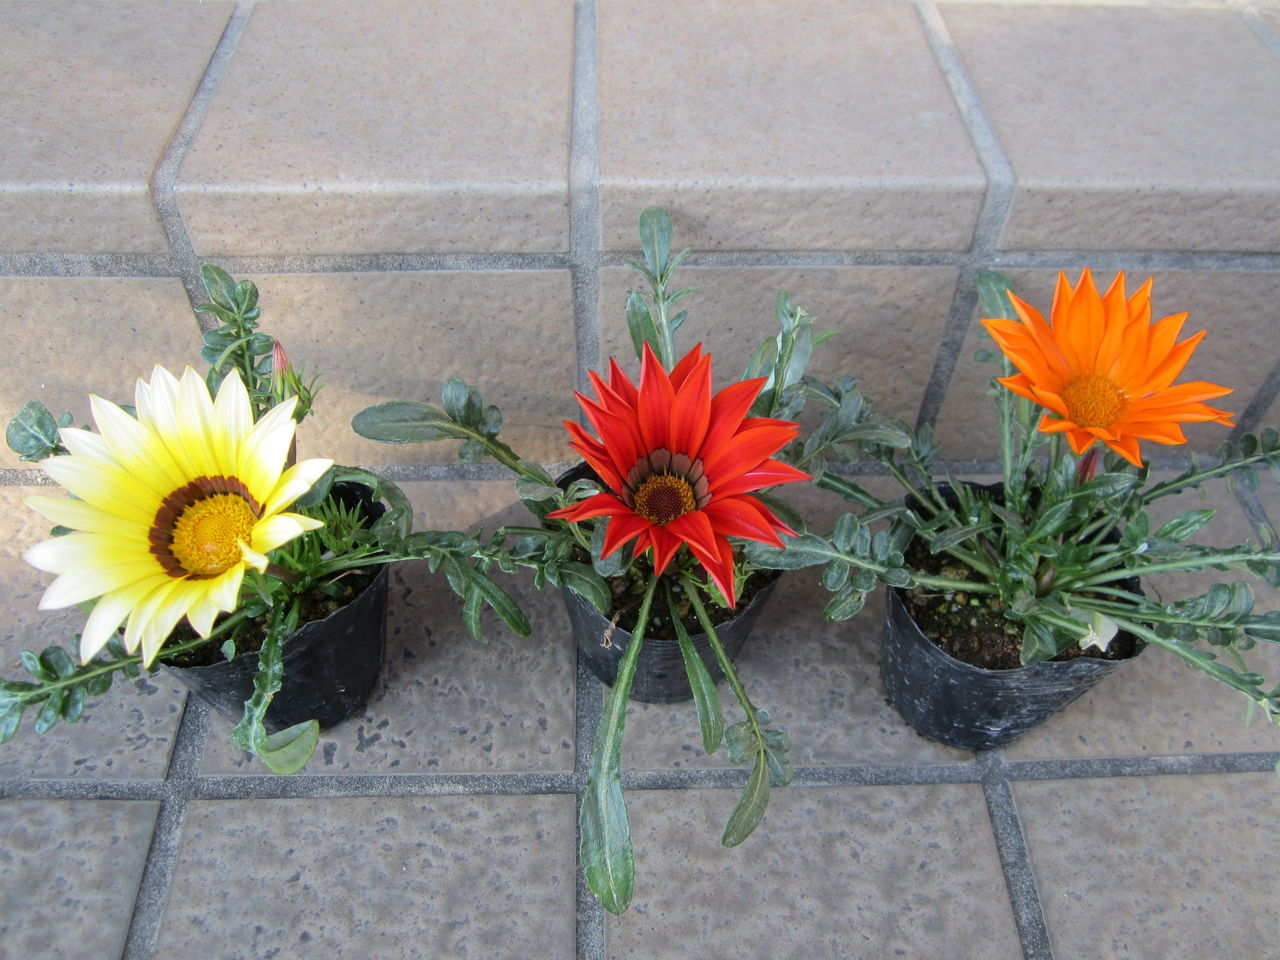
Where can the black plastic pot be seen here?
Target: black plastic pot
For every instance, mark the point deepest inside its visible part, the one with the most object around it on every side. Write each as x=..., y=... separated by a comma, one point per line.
x=971, y=707
x=330, y=667
x=660, y=675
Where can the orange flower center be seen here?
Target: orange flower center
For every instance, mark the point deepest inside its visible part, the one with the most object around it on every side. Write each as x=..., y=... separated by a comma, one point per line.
x=1093, y=402
x=207, y=537
x=663, y=497
x=198, y=529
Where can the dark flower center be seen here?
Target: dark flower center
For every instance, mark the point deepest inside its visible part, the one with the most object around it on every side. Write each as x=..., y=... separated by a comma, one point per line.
x=663, y=497
x=663, y=486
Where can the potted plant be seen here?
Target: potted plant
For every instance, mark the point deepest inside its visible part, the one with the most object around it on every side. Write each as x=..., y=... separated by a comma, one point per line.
x=1025, y=593
x=646, y=536
x=196, y=544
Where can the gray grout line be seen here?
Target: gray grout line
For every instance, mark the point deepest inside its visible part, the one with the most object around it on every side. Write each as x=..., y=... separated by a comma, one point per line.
x=1264, y=399
x=166, y=839
x=329, y=786
x=1256, y=513
x=584, y=194
x=1015, y=862
x=584, y=274
x=153, y=890
x=991, y=220
x=1261, y=30
x=163, y=179
x=112, y=265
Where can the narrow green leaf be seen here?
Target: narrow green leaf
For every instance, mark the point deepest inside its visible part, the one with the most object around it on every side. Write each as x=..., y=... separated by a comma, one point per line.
x=605, y=834
x=993, y=295
x=705, y=697
x=655, y=239
x=1182, y=527
x=586, y=583
x=289, y=750
x=751, y=806
x=405, y=421
x=641, y=326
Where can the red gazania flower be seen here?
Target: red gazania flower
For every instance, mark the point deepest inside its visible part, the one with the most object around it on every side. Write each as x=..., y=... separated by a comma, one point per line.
x=1103, y=370
x=680, y=464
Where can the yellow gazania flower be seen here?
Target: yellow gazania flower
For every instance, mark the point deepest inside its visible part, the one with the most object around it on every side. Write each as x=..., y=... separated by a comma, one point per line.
x=169, y=509
x=1103, y=370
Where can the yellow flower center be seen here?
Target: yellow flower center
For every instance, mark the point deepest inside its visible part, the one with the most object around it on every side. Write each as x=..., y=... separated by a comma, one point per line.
x=207, y=536
x=1093, y=402
x=663, y=497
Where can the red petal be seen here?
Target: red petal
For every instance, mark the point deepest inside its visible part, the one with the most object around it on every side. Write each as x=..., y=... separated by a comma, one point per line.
x=695, y=529
x=728, y=407
x=686, y=365
x=595, y=453
x=621, y=384
x=622, y=528
x=600, y=505
x=654, y=405
x=691, y=411
x=664, y=546
x=744, y=452
x=747, y=518
x=768, y=474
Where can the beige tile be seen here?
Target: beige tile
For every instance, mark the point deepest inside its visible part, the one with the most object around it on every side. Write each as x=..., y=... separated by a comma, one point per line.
x=359, y=877
x=1239, y=350
x=1173, y=867
x=70, y=871
x=376, y=337
x=67, y=338
x=841, y=872
x=93, y=92
x=814, y=125
x=125, y=733
x=1129, y=128
x=391, y=126
x=889, y=321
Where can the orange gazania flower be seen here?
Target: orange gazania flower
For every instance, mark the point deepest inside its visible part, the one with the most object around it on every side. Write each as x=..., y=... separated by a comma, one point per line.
x=680, y=463
x=1103, y=370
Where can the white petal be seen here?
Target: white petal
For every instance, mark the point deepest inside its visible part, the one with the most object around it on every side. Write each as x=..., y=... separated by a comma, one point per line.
x=232, y=422
x=136, y=448
x=264, y=451
x=296, y=481
x=79, y=515
x=280, y=529
x=87, y=582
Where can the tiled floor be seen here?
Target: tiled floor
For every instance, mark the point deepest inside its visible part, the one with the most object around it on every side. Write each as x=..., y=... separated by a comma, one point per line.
x=423, y=189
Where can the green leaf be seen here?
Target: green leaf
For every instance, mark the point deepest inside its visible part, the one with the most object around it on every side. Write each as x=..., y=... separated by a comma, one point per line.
x=993, y=295
x=806, y=550
x=56, y=661
x=220, y=287
x=461, y=402
x=405, y=421
x=9, y=723
x=289, y=750
x=641, y=325
x=1182, y=527
x=584, y=581
x=50, y=712
x=751, y=805
x=844, y=604
x=655, y=239
x=605, y=834
x=73, y=705
x=31, y=663
x=33, y=433
x=705, y=697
